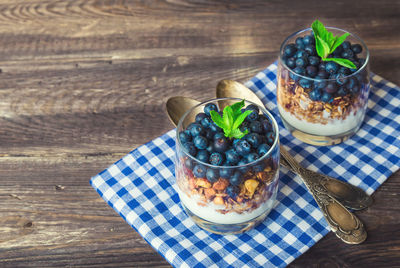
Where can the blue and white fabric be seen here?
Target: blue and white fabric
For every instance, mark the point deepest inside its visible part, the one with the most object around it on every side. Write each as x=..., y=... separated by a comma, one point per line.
x=141, y=188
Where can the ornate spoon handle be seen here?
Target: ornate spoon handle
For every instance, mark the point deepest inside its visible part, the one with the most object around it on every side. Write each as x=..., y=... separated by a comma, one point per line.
x=343, y=223
x=349, y=195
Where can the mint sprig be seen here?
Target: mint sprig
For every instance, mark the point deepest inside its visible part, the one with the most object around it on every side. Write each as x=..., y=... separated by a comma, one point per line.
x=232, y=118
x=326, y=43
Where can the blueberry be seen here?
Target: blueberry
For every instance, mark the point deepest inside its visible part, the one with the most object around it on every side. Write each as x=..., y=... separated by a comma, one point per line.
x=313, y=60
x=331, y=88
x=206, y=122
x=338, y=50
x=203, y=156
x=243, y=147
x=210, y=148
x=243, y=162
x=332, y=67
x=221, y=144
x=216, y=159
x=301, y=54
x=266, y=125
x=236, y=178
x=225, y=173
x=326, y=97
x=235, y=141
x=190, y=148
x=263, y=149
x=212, y=174
x=231, y=191
x=200, y=142
x=200, y=117
x=199, y=171
x=311, y=71
x=322, y=74
x=189, y=163
x=344, y=70
x=213, y=127
x=308, y=40
x=196, y=129
x=290, y=62
x=255, y=126
x=210, y=107
x=345, y=45
x=245, y=128
x=253, y=108
x=251, y=157
x=299, y=70
x=347, y=54
x=341, y=79
x=356, y=48
x=315, y=95
x=354, y=90
x=322, y=66
x=209, y=135
x=218, y=135
x=299, y=43
x=254, y=139
x=184, y=137
x=289, y=50
x=342, y=91
x=270, y=136
x=232, y=156
x=302, y=62
x=351, y=83
x=259, y=166
x=310, y=50
x=305, y=83
x=320, y=84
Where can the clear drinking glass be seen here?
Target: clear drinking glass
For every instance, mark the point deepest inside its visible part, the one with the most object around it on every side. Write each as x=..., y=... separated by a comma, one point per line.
x=309, y=115
x=209, y=204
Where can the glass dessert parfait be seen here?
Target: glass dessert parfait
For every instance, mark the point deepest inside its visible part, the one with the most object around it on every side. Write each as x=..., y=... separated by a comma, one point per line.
x=227, y=183
x=320, y=101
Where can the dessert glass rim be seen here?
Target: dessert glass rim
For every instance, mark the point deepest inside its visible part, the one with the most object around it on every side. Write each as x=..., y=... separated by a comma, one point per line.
x=324, y=79
x=263, y=109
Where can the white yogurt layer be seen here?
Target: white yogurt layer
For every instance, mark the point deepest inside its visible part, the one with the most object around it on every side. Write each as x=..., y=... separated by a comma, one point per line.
x=211, y=214
x=334, y=127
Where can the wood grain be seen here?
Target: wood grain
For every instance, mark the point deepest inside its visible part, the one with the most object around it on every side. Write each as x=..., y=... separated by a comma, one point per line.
x=84, y=82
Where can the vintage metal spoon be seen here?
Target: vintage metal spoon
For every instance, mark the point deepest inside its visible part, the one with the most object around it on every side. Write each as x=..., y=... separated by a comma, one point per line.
x=344, y=223
x=349, y=195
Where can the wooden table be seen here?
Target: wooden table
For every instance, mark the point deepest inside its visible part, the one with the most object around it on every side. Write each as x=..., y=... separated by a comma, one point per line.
x=84, y=82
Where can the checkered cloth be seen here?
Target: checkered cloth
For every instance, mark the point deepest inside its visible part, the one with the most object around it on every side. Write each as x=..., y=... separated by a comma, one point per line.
x=141, y=188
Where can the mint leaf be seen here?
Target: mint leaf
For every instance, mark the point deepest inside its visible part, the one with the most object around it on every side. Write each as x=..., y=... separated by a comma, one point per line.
x=232, y=118
x=325, y=47
x=217, y=119
x=326, y=43
x=236, y=108
x=239, y=120
x=228, y=117
x=338, y=41
x=344, y=62
x=238, y=134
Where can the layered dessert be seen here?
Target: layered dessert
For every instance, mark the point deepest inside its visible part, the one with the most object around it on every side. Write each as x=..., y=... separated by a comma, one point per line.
x=322, y=94
x=228, y=176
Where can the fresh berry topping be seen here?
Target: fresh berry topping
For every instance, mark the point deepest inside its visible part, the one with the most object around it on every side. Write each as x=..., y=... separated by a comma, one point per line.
x=341, y=79
x=310, y=49
x=309, y=40
x=184, y=137
x=254, y=139
x=218, y=135
x=313, y=60
x=221, y=145
x=199, y=171
x=251, y=157
x=291, y=62
x=203, y=156
x=299, y=43
x=196, y=129
x=256, y=127
x=357, y=48
x=236, y=178
x=205, y=122
x=302, y=62
x=216, y=159
x=232, y=156
x=331, y=88
x=263, y=149
x=331, y=67
x=200, y=142
x=225, y=173
x=212, y=174
x=200, y=117
x=315, y=95
x=289, y=50
x=305, y=83
x=311, y=71
x=210, y=107
x=326, y=97
x=243, y=147
x=190, y=148
x=270, y=137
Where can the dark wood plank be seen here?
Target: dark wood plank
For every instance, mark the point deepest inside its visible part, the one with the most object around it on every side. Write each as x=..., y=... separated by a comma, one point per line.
x=84, y=82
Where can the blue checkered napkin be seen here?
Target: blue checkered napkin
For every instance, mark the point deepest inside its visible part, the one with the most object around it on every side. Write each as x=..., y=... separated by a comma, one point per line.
x=141, y=188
